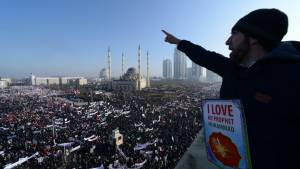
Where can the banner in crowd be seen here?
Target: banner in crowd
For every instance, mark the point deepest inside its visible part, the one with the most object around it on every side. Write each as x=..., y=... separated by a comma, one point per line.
x=225, y=134
x=20, y=161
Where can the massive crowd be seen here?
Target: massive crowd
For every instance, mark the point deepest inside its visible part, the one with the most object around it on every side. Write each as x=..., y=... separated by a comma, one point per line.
x=39, y=129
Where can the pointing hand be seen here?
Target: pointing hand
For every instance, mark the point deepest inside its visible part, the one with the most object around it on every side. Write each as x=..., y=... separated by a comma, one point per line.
x=170, y=38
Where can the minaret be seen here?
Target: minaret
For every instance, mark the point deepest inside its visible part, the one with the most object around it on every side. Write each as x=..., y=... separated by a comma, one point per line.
x=148, y=79
x=109, y=64
x=122, y=63
x=139, y=68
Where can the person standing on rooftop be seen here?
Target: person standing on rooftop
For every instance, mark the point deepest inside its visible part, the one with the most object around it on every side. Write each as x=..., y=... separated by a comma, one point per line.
x=262, y=72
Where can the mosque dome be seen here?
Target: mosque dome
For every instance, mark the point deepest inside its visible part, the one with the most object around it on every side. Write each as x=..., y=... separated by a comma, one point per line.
x=131, y=71
x=131, y=74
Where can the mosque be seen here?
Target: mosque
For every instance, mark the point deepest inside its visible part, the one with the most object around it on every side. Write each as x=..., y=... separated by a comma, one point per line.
x=131, y=80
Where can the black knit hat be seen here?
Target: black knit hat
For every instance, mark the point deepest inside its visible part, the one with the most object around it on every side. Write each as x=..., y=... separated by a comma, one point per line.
x=268, y=26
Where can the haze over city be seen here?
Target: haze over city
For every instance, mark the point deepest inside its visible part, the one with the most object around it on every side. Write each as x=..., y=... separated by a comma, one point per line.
x=70, y=38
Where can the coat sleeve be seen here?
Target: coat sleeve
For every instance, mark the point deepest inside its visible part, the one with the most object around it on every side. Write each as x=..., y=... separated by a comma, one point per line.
x=210, y=60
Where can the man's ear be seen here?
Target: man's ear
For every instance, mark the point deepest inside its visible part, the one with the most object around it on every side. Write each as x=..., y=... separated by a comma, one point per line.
x=253, y=41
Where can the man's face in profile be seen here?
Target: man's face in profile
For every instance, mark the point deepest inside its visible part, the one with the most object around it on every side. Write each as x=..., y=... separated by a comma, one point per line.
x=238, y=43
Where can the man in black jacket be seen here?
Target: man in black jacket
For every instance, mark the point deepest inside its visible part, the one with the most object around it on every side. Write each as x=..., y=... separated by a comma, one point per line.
x=262, y=73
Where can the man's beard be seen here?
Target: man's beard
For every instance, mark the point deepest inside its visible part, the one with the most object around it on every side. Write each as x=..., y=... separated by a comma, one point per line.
x=239, y=53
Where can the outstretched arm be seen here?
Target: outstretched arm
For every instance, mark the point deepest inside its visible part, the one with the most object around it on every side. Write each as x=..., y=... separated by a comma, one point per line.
x=210, y=60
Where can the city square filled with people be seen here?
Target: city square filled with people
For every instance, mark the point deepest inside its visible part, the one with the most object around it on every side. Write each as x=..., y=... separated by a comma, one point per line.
x=41, y=128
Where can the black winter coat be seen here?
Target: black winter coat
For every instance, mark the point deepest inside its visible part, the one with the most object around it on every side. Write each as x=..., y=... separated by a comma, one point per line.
x=269, y=91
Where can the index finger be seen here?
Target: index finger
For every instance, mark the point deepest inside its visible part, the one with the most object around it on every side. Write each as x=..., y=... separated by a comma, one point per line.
x=165, y=32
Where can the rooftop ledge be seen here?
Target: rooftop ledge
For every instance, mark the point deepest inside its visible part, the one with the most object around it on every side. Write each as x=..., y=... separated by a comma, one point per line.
x=195, y=157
